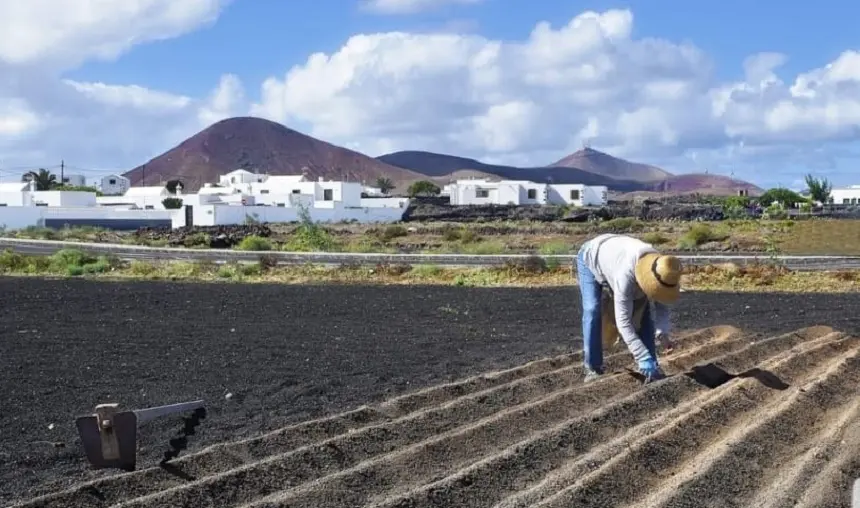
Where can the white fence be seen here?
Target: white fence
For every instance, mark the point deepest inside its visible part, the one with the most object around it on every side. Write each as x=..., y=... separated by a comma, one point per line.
x=215, y=215
x=20, y=217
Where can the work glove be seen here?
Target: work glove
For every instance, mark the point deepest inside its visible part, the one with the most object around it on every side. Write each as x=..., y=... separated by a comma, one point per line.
x=650, y=370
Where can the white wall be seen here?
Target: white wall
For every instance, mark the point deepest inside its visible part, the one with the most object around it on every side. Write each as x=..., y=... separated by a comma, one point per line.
x=65, y=198
x=26, y=216
x=74, y=180
x=585, y=195
x=141, y=202
x=385, y=202
x=465, y=192
x=114, y=185
x=15, y=199
x=849, y=194
x=212, y=215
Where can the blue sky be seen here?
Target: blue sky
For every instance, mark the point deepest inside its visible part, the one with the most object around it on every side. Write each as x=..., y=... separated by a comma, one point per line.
x=771, y=140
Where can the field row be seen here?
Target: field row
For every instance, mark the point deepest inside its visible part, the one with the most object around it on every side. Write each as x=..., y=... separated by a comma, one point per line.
x=744, y=421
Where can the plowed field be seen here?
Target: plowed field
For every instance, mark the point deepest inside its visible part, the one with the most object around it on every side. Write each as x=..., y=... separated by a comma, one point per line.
x=762, y=407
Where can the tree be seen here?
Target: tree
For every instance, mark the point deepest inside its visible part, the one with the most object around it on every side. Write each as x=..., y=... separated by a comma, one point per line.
x=172, y=185
x=819, y=189
x=45, y=180
x=785, y=197
x=172, y=203
x=423, y=188
x=385, y=184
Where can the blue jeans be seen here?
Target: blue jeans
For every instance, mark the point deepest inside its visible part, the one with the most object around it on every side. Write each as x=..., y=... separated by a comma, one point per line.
x=592, y=343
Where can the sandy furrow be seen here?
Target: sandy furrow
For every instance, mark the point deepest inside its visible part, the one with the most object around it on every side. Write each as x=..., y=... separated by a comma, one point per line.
x=224, y=457
x=478, y=396
x=753, y=452
x=835, y=469
x=604, y=434
x=374, y=445
x=407, y=469
x=822, y=459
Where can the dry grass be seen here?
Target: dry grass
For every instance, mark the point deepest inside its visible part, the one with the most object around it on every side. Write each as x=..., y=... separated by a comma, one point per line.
x=810, y=237
x=533, y=272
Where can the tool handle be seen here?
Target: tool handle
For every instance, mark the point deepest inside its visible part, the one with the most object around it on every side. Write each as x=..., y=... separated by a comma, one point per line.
x=145, y=415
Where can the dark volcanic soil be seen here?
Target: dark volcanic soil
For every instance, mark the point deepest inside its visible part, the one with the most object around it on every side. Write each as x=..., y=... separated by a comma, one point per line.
x=285, y=354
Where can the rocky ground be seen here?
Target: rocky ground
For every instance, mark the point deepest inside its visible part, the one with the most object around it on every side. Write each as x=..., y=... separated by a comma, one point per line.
x=773, y=421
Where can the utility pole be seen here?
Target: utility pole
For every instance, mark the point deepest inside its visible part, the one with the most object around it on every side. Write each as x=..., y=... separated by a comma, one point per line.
x=62, y=171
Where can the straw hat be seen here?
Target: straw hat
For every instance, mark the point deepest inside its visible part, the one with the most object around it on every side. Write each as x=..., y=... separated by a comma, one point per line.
x=659, y=276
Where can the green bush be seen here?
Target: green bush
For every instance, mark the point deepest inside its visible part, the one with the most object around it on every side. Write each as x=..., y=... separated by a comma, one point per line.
x=254, y=243
x=697, y=235
x=654, y=238
x=622, y=225
x=391, y=232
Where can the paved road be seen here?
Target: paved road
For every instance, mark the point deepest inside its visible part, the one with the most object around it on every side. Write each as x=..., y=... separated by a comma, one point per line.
x=47, y=247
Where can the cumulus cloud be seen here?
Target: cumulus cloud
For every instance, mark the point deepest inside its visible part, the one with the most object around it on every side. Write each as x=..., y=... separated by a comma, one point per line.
x=527, y=101
x=411, y=6
x=44, y=117
x=589, y=80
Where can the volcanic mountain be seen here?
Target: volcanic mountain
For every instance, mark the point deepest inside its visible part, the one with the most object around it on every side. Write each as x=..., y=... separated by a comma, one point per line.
x=264, y=146
x=587, y=166
x=441, y=167
x=604, y=164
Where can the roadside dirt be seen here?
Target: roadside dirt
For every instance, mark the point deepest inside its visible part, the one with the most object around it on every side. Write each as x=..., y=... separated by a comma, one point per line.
x=474, y=398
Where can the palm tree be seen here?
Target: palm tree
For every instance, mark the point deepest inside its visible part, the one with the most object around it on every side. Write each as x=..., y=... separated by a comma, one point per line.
x=45, y=180
x=385, y=185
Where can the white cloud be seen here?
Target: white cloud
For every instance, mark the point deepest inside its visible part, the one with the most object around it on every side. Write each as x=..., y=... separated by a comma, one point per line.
x=589, y=80
x=44, y=117
x=66, y=32
x=521, y=102
x=411, y=6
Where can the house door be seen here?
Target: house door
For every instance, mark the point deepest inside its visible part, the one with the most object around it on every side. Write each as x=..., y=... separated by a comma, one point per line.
x=189, y=216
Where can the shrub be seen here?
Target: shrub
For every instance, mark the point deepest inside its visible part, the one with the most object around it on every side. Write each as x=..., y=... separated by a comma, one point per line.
x=197, y=240
x=530, y=265
x=254, y=243
x=309, y=236
x=697, y=235
x=622, y=225
x=172, y=203
x=450, y=235
x=391, y=232
x=654, y=238
x=267, y=262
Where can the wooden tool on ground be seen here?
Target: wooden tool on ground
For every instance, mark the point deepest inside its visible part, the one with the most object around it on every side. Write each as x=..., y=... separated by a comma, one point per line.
x=109, y=436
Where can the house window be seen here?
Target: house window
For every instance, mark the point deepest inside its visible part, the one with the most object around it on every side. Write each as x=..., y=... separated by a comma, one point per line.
x=482, y=193
x=264, y=191
x=3, y=204
x=232, y=179
x=846, y=201
x=282, y=205
x=296, y=191
x=532, y=193
x=574, y=195
x=112, y=182
x=149, y=207
x=328, y=195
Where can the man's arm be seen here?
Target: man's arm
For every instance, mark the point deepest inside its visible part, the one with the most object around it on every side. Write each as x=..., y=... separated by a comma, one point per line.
x=624, y=322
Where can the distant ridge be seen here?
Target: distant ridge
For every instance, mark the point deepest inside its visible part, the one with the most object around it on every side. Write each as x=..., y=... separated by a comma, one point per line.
x=261, y=145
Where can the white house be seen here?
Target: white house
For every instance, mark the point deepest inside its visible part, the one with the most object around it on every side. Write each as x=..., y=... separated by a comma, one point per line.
x=846, y=195
x=240, y=176
x=74, y=180
x=524, y=192
x=68, y=199
x=114, y=185
x=15, y=194
x=145, y=198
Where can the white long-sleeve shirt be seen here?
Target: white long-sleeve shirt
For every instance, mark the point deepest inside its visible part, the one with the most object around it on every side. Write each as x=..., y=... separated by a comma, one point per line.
x=612, y=259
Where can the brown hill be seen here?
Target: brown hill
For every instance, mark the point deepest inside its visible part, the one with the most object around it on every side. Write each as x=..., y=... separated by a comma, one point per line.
x=704, y=184
x=604, y=164
x=441, y=166
x=269, y=147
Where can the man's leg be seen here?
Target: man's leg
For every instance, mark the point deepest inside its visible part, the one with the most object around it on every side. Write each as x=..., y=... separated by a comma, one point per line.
x=592, y=346
x=647, y=335
x=648, y=331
